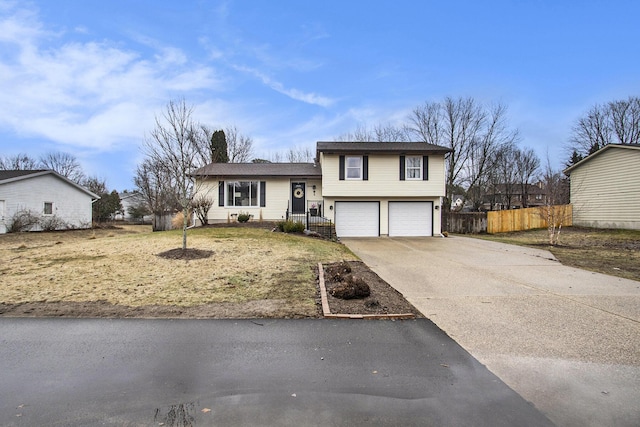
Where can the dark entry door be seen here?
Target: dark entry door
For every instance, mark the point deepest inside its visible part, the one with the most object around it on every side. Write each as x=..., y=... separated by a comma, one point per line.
x=298, y=197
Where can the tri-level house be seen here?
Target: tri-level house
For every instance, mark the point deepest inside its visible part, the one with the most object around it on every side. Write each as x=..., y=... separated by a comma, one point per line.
x=367, y=189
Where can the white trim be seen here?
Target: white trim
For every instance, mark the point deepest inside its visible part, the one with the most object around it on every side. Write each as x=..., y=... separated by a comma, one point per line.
x=412, y=168
x=347, y=167
x=234, y=206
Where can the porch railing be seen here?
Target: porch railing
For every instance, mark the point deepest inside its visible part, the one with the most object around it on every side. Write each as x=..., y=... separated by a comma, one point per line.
x=313, y=222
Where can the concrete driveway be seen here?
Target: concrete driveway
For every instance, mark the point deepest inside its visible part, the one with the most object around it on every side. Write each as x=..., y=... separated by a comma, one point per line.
x=566, y=339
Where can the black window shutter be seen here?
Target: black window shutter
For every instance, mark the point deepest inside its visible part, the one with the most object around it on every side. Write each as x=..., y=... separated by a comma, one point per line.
x=365, y=168
x=425, y=168
x=220, y=193
x=401, y=168
x=263, y=194
x=341, y=166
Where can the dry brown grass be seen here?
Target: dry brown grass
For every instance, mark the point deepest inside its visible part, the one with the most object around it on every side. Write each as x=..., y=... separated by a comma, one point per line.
x=613, y=252
x=121, y=266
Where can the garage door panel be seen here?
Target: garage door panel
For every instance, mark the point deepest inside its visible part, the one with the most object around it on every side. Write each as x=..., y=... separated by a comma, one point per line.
x=357, y=219
x=410, y=218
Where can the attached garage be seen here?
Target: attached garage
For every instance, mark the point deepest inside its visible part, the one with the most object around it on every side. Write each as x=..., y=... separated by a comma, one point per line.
x=410, y=218
x=357, y=219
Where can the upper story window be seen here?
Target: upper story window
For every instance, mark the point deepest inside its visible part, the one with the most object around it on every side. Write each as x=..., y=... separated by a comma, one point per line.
x=354, y=167
x=413, y=166
x=48, y=208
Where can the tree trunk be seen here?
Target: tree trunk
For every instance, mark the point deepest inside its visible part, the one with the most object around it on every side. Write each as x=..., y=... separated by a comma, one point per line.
x=185, y=222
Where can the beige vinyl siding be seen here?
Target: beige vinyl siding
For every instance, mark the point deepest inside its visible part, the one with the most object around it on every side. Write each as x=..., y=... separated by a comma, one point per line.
x=384, y=178
x=605, y=191
x=277, y=195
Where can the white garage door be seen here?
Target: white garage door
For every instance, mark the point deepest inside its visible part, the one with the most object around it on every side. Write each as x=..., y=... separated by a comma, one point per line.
x=410, y=218
x=357, y=219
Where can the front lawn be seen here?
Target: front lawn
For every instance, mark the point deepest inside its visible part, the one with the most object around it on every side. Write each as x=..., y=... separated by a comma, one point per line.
x=121, y=267
x=613, y=252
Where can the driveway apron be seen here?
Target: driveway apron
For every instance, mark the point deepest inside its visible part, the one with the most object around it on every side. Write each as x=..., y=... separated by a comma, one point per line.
x=567, y=340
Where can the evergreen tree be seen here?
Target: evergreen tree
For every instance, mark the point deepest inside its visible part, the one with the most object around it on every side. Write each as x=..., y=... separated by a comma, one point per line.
x=219, y=152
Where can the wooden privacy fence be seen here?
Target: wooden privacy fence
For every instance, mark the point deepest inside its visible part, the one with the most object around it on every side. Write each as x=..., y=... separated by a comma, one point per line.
x=529, y=218
x=466, y=222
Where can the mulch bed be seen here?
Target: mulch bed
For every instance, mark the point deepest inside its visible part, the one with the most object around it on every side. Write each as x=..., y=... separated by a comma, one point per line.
x=383, y=299
x=186, y=254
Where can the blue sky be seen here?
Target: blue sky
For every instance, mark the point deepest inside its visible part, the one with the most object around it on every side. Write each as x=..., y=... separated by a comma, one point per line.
x=87, y=77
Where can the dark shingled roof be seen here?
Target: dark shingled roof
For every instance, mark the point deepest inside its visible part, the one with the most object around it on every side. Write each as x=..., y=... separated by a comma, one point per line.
x=17, y=173
x=307, y=170
x=9, y=176
x=381, y=147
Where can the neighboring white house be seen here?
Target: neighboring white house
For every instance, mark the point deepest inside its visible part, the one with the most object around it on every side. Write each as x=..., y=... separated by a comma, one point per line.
x=55, y=200
x=366, y=189
x=605, y=190
x=129, y=199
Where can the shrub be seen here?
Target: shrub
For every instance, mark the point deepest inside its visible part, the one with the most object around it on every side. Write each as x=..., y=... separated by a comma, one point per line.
x=53, y=223
x=243, y=217
x=23, y=220
x=290, y=226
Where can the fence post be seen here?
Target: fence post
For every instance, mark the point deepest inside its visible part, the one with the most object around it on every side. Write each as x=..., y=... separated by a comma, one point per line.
x=307, y=220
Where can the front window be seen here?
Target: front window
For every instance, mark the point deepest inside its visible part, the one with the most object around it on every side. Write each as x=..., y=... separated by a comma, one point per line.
x=242, y=193
x=413, y=167
x=354, y=167
x=48, y=208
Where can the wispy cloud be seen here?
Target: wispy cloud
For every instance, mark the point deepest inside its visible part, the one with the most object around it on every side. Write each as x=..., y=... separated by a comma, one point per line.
x=85, y=94
x=298, y=95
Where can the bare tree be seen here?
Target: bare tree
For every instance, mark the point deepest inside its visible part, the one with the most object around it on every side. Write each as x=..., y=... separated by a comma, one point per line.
x=65, y=164
x=555, y=209
x=155, y=185
x=360, y=134
x=18, y=162
x=172, y=145
x=379, y=133
x=427, y=121
x=239, y=146
x=472, y=131
x=297, y=154
x=501, y=177
x=617, y=122
x=526, y=166
x=300, y=155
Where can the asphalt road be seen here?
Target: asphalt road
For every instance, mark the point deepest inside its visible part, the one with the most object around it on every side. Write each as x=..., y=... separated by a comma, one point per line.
x=130, y=372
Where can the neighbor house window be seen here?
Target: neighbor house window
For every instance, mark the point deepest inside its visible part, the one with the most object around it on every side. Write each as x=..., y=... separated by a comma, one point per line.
x=354, y=167
x=243, y=193
x=413, y=166
x=48, y=208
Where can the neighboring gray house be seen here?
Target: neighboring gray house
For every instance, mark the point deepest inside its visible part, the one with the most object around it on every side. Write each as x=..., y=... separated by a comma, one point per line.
x=54, y=200
x=604, y=188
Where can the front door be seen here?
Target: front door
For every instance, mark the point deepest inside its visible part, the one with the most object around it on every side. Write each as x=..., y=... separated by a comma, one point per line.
x=298, y=197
